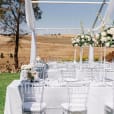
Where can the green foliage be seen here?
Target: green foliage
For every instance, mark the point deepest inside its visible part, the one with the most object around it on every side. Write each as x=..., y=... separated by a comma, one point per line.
x=1, y=2
x=5, y=80
x=96, y=58
x=85, y=58
x=11, y=55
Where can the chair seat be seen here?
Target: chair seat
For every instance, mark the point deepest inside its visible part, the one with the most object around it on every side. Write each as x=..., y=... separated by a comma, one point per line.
x=70, y=79
x=73, y=107
x=33, y=107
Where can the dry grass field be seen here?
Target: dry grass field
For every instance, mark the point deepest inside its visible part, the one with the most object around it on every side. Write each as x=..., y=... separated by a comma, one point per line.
x=49, y=48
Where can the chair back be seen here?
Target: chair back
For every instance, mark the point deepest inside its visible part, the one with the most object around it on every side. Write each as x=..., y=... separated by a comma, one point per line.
x=84, y=74
x=32, y=91
x=109, y=74
x=41, y=72
x=78, y=93
x=98, y=73
x=67, y=74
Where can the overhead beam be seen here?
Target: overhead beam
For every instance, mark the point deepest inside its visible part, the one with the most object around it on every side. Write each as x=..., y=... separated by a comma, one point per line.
x=60, y=28
x=66, y=2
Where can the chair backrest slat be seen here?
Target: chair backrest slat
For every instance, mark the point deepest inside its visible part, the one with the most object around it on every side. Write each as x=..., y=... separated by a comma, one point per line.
x=68, y=73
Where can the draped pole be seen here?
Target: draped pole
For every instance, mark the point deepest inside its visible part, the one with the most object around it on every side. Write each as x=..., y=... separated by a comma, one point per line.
x=107, y=15
x=91, y=50
x=30, y=18
x=98, y=14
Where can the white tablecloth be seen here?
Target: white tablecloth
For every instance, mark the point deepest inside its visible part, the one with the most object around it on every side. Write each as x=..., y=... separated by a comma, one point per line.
x=55, y=95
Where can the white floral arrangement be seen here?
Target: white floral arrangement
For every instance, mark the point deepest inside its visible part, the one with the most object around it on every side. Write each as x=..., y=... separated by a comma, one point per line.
x=106, y=37
x=83, y=40
x=29, y=73
x=90, y=40
x=38, y=59
x=26, y=67
x=32, y=75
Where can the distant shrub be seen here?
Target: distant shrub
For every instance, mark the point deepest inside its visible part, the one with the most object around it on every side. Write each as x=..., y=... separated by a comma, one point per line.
x=85, y=58
x=67, y=59
x=11, y=55
x=110, y=56
x=1, y=55
x=96, y=58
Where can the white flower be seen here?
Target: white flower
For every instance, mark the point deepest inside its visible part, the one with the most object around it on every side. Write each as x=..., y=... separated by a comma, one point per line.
x=75, y=44
x=97, y=36
x=77, y=40
x=103, y=33
x=89, y=39
x=103, y=39
x=82, y=40
x=107, y=44
x=109, y=38
x=82, y=36
x=109, y=31
x=113, y=37
x=26, y=67
x=85, y=44
x=94, y=39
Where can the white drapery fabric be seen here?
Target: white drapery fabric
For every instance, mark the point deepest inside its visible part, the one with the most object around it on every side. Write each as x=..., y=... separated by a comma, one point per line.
x=108, y=14
x=107, y=17
x=30, y=18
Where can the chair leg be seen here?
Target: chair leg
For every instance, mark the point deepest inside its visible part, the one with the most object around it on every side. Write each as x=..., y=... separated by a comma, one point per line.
x=63, y=112
x=68, y=112
x=44, y=112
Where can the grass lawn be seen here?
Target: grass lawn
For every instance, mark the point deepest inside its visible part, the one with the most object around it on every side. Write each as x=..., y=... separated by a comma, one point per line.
x=5, y=80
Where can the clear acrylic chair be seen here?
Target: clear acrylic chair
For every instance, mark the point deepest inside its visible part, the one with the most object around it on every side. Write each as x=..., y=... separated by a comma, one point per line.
x=32, y=97
x=109, y=105
x=77, y=98
x=109, y=74
x=68, y=74
x=85, y=73
x=98, y=74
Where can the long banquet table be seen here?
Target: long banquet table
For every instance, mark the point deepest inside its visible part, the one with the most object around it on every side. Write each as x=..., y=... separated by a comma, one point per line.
x=99, y=95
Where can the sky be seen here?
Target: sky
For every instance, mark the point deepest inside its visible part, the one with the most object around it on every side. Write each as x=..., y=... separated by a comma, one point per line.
x=68, y=15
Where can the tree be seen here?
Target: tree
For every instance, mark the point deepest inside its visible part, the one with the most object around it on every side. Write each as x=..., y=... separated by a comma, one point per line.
x=13, y=17
x=1, y=2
